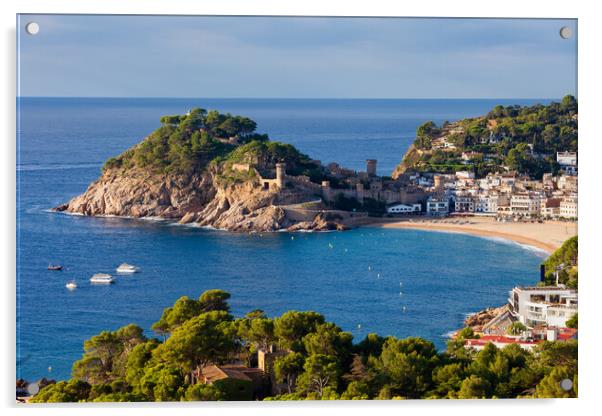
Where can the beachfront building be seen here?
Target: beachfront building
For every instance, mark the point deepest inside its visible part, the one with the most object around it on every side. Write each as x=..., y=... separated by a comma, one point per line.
x=464, y=202
x=568, y=208
x=483, y=204
x=437, y=207
x=404, y=209
x=551, y=306
x=550, y=207
x=488, y=203
x=525, y=204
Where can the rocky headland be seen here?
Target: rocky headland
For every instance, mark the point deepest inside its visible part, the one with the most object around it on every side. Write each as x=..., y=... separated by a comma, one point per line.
x=186, y=171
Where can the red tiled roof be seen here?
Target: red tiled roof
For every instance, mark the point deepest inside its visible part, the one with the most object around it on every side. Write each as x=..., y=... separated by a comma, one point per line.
x=564, y=334
x=499, y=339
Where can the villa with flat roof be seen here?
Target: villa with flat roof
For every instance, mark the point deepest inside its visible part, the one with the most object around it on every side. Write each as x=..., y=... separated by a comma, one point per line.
x=548, y=305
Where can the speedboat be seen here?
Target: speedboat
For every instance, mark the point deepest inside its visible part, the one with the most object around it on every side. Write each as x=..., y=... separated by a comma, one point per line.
x=71, y=285
x=55, y=267
x=102, y=278
x=127, y=268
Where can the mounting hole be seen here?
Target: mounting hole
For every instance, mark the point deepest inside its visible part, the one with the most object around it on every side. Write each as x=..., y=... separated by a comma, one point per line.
x=32, y=28
x=566, y=384
x=33, y=389
x=565, y=32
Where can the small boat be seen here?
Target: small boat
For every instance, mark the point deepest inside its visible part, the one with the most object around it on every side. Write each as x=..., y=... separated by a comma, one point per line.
x=102, y=278
x=71, y=285
x=127, y=268
x=55, y=267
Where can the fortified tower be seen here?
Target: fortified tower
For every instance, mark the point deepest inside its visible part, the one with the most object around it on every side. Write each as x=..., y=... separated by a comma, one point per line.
x=371, y=167
x=280, y=174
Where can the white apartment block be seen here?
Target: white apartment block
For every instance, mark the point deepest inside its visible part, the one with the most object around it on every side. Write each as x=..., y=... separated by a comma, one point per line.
x=566, y=158
x=437, y=207
x=569, y=208
x=482, y=204
x=488, y=204
x=525, y=204
x=464, y=203
x=550, y=306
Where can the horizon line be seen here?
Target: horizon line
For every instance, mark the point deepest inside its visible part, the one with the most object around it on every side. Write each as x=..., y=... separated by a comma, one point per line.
x=295, y=98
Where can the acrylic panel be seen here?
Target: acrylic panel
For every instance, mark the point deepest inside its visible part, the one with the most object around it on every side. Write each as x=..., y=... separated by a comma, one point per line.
x=295, y=208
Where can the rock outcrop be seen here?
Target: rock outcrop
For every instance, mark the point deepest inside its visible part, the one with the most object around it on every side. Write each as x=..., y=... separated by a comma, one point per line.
x=478, y=320
x=201, y=198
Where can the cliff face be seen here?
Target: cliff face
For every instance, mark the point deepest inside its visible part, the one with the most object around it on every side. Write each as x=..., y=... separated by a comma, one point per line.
x=139, y=193
x=408, y=158
x=201, y=198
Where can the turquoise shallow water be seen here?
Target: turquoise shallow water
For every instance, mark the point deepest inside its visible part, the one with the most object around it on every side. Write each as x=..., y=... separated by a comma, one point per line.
x=394, y=282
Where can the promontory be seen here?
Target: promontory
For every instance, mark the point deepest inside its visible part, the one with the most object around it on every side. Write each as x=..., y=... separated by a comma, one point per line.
x=212, y=169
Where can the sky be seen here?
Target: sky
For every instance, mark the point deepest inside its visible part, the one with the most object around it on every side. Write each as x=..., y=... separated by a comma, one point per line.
x=295, y=57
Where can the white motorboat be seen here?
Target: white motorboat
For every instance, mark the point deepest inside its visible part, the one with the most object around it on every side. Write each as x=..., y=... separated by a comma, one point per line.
x=102, y=278
x=127, y=268
x=71, y=285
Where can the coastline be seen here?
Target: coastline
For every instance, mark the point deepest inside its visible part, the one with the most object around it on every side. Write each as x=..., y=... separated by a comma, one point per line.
x=547, y=236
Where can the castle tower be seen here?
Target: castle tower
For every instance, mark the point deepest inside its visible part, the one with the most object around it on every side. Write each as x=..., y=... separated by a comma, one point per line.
x=371, y=167
x=280, y=174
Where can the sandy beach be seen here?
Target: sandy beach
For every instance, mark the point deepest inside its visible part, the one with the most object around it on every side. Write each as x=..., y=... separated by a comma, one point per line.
x=546, y=236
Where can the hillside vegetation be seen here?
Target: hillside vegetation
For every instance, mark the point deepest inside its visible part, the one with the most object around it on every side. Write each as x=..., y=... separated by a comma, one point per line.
x=189, y=143
x=566, y=257
x=520, y=138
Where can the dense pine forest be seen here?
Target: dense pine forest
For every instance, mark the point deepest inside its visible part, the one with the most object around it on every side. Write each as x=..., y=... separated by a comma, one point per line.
x=317, y=361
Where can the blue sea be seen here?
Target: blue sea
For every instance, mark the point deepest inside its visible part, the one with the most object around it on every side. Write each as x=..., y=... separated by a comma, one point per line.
x=393, y=282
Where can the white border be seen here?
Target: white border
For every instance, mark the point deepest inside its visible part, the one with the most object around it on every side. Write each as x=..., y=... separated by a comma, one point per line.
x=590, y=154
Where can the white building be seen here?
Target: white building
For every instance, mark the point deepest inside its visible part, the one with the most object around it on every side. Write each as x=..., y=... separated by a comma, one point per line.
x=437, y=207
x=482, y=204
x=525, y=204
x=566, y=158
x=404, y=209
x=490, y=181
x=464, y=203
x=567, y=162
x=464, y=174
x=550, y=305
x=569, y=207
x=488, y=204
